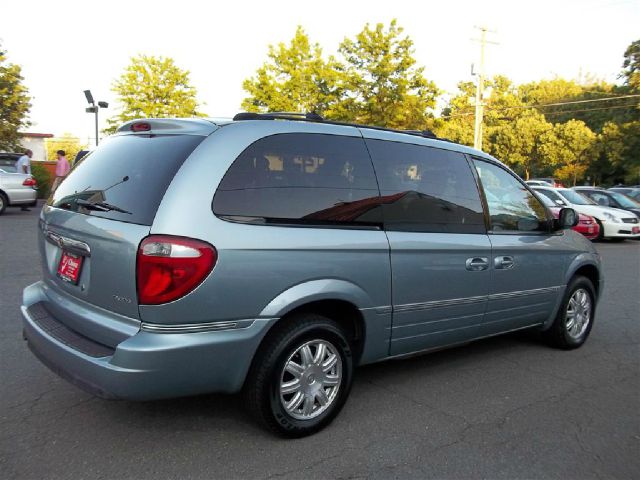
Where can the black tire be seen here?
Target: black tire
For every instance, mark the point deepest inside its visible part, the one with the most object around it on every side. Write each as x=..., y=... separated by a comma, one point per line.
x=3, y=202
x=600, y=236
x=558, y=334
x=262, y=387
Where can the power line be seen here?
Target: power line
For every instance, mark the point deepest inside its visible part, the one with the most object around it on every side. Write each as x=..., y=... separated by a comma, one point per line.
x=549, y=105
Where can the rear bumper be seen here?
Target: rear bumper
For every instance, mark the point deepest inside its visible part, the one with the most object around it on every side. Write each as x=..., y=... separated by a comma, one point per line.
x=146, y=366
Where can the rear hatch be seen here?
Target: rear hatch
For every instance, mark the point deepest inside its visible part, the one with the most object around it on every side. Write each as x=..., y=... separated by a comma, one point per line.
x=94, y=222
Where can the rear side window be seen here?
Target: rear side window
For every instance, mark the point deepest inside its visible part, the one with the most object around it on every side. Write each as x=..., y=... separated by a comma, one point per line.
x=426, y=189
x=301, y=179
x=129, y=172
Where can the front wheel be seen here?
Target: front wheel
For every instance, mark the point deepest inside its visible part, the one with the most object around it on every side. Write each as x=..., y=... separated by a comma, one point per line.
x=575, y=318
x=600, y=236
x=301, y=376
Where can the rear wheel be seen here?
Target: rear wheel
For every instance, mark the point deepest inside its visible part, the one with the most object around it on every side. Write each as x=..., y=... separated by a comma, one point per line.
x=301, y=376
x=575, y=318
x=3, y=202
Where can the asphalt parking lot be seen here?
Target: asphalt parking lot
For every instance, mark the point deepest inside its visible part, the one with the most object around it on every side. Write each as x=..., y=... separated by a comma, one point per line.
x=507, y=407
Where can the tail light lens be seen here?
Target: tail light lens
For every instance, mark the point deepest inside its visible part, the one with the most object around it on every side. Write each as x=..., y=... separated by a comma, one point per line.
x=169, y=267
x=30, y=182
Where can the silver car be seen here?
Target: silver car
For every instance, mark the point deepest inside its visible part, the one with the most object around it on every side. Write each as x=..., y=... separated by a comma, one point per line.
x=16, y=189
x=272, y=254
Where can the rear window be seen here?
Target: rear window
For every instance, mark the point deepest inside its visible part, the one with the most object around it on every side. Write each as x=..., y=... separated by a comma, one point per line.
x=300, y=178
x=129, y=172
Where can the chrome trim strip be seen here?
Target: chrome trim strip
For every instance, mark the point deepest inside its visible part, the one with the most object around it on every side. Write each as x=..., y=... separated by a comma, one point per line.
x=196, y=327
x=524, y=293
x=68, y=244
x=411, y=307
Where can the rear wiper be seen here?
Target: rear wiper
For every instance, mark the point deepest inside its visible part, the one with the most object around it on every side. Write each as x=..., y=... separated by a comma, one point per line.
x=101, y=206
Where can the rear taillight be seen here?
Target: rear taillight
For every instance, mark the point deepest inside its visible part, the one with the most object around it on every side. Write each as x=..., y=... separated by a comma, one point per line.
x=170, y=267
x=30, y=182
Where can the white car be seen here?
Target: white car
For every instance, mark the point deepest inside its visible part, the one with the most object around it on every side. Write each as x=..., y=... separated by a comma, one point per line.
x=538, y=183
x=614, y=223
x=16, y=189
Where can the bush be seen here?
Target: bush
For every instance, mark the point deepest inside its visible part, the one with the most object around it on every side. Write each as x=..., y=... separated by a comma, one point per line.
x=41, y=175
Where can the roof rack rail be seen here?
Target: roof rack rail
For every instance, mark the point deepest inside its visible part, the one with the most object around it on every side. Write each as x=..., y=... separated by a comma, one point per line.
x=314, y=117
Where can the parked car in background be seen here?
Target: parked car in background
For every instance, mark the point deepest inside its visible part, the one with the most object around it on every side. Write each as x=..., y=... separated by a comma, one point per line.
x=614, y=224
x=587, y=225
x=272, y=255
x=541, y=183
x=551, y=181
x=633, y=192
x=16, y=189
x=611, y=199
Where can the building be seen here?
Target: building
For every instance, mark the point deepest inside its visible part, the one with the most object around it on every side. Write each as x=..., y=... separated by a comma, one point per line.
x=36, y=143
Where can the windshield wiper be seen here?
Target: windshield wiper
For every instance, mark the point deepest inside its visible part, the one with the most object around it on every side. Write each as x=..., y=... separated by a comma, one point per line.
x=101, y=206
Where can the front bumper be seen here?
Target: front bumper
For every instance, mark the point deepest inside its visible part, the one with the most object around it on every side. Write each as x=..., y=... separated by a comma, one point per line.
x=147, y=365
x=620, y=230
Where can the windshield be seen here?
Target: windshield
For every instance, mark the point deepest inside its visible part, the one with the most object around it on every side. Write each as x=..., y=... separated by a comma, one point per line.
x=576, y=198
x=624, y=201
x=125, y=178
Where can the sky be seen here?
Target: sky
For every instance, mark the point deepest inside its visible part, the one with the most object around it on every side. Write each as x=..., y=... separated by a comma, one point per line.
x=65, y=47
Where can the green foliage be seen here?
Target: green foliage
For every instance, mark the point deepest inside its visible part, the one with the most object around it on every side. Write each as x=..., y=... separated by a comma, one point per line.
x=383, y=84
x=70, y=144
x=518, y=142
x=295, y=78
x=631, y=66
x=570, y=148
x=153, y=87
x=14, y=104
x=41, y=175
x=376, y=81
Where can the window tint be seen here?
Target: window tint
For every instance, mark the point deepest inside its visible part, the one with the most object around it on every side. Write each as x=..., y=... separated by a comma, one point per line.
x=147, y=162
x=426, y=189
x=511, y=206
x=301, y=178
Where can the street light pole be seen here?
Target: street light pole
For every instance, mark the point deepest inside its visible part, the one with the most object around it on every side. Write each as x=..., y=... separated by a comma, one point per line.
x=94, y=108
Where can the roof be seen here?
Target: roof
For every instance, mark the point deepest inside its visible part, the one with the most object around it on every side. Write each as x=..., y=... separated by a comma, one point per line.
x=36, y=135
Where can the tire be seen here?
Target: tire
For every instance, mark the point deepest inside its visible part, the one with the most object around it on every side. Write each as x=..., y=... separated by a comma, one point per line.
x=600, y=236
x=286, y=345
x=568, y=330
x=3, y=202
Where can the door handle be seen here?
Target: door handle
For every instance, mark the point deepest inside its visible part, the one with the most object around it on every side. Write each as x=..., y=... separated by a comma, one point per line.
x=503, y=263
x=476, y=264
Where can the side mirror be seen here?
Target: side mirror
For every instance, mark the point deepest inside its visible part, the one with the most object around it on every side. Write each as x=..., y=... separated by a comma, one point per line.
x=567, y=218
x=560, y=202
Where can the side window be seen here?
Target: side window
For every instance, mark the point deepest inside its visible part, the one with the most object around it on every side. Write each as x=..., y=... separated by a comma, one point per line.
x=599, y=198
x=426, y=189
x=511, y=206
x=301, y=178
x=553, y=196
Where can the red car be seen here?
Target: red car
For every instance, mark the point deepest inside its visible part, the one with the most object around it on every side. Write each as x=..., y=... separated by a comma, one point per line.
x=587, y=225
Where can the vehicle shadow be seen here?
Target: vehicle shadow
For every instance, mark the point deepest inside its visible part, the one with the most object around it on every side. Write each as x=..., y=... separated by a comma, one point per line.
x=225, y=413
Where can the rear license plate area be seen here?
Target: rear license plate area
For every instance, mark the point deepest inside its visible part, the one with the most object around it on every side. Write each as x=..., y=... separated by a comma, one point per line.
x=69, y=267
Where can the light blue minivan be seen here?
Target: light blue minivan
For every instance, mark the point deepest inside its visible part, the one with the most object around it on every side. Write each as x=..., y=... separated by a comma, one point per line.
x=271, y=254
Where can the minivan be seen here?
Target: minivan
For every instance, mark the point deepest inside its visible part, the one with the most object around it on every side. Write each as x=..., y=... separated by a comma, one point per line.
x=272, y=254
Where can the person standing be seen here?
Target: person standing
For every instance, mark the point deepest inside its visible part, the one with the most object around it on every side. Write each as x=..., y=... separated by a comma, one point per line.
x=62, y=169
x=23, y=165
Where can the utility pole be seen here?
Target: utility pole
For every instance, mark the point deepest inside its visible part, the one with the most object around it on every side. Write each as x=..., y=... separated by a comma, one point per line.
x=477, y=131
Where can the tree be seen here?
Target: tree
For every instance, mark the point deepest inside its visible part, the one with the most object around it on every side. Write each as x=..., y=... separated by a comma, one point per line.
x=619, y=145
x=69, y=143
x=518, y=142
x=153, y=87
x=631, y=66
x=569, y=147
x=295, y=78
x=383, y=85
x=14, y=104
